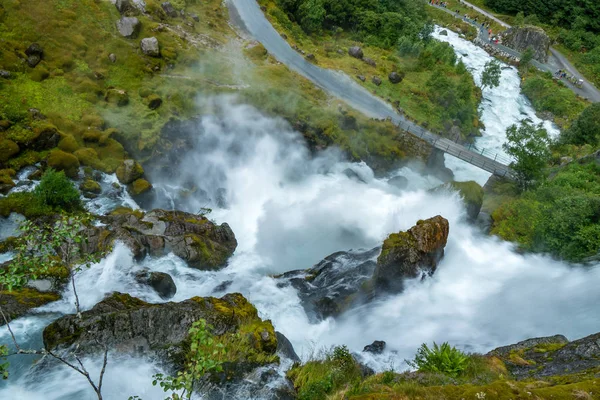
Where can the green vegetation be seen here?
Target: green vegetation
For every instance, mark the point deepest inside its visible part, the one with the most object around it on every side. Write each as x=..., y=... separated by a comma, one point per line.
x=436, y=90
x=491, y=74
x=528, y=144
x=586, y=128
x=445, y=359
x=202, y=359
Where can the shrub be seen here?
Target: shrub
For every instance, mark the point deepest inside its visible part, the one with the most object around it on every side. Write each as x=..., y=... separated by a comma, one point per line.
x=444, y=359
x=56, y=190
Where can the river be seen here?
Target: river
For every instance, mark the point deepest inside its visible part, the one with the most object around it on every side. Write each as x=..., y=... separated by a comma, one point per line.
x=288, y=210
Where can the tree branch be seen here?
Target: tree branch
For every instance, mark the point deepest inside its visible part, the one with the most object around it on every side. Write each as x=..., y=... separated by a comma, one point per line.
x=12, y=335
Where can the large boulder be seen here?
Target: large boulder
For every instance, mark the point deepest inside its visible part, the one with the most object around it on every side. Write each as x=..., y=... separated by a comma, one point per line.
x=326, y=289
x=34, y=54
x=550, y=356
x=161, y=282
x=194, y=238
x=17, y=303
x=63, y=161
x=8, y=149
x=150, y=47
x=356, y=52
x=129, y=27
x=129, y=171
x=396, y=77
x=131, y=326
x=528, y=37
x=410, y=254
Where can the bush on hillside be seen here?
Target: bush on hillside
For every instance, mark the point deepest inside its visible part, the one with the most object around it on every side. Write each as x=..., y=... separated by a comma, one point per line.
x=444, y=359
x=57, y=191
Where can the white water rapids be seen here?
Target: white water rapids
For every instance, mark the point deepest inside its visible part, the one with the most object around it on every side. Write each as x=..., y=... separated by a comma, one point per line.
x=289, y=210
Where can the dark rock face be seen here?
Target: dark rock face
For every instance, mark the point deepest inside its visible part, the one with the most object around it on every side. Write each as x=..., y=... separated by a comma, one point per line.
x=132, y=326
x=376, y=80
x=169, y=9
x=129, y=27
x=436, y=166
x=356, y=52
x=377, y=347
x=192, y=237
x=547, y=356
x=326, y=288
x=161, y=282
x=285, y=347
x=150, y=47
x=395, y=77
x=444, y=33
x=410, y=254
x=528, y=37
x=34, y=54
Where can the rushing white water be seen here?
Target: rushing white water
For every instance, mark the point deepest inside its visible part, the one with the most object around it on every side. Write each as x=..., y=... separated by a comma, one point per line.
x=288, y=210
x=501, y=107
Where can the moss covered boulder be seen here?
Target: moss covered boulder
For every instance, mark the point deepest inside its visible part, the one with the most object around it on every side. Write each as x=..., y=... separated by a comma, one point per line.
x=17, y=303
x=472, y=195
x=131, y=326
x=6, y=180
x=8, y=149
x=90, y=188
x=129, y=171
x=68, y=143
x=139, y=187
x=194, y=238
x=410, y=254
x=63, y=161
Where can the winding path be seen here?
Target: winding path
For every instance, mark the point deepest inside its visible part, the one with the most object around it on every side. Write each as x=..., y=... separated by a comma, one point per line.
x=555, y=62
x=248, y=16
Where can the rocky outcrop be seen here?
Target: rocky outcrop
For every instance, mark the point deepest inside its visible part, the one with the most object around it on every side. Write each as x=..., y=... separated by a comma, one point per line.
x=129, y=27
x=129, y=171
x=550, y=356
x=128, y=325
x=410, y=254
x=201, y=243
x=356, y=52
x=326, y=289
x=17, y=303
x=377, y=347
x=150, y=47
x=528, y=37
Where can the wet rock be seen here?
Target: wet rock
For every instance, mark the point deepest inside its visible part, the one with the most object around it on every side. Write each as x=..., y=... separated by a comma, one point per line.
x=352, y=174
x=18, y=302
x=396, y=77
x=222, y=287
x=150, y=47
x=361, y=78
x=169, y=9
x=129, y=171
x=436, y=166
x=411, y=254
x=399, y=181
x=370, y=61
x=549, y=356
x=444, y=33
x=112, y=57
x=377, y=347
x=131, y=326
x=376, y=80
x=161, y=282
x=139, y=187
x=90, y=186
x=356, y=52
x=154, y=101
x=528, y=37
x=129, y=27
x=194, y=238
x=195, y=17
x=34, y=54
x=326, y=289
x=285, y=347
x=5, y=74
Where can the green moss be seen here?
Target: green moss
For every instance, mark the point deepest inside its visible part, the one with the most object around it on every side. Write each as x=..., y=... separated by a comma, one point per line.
x=397, y=240
x=23, y=203
x=62, y=161
x=90, y=186
x=89, y=157
x=140, y=186
x=68, y=144
x=8, y=149
x=126, y=211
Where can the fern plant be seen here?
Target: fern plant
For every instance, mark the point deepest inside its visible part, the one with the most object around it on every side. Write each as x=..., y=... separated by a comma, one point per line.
x=444, y=359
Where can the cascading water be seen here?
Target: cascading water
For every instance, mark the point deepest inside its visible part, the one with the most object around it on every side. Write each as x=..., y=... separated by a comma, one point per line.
x=501, y=107
x=288, y=210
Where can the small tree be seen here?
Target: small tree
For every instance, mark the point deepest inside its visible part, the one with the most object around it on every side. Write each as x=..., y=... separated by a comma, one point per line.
x=444, y=359
x=519, y=19
x=526, y=58
x=204, y=357
x=585, y=129
x=528, y=144
x=491, y=74
x=56, y=190
x=40, y=249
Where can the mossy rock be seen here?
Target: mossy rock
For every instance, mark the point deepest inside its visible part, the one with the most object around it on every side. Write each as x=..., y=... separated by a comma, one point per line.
x=118, y=97
x=8, y=149
x=68, y=143
x=472, y=194
x=140, y=186
x=129, y=171
x=63, y=161
x=154, y=101
x=89, y=157
x=17, y=303
x=90, y=186
x=92, y=135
